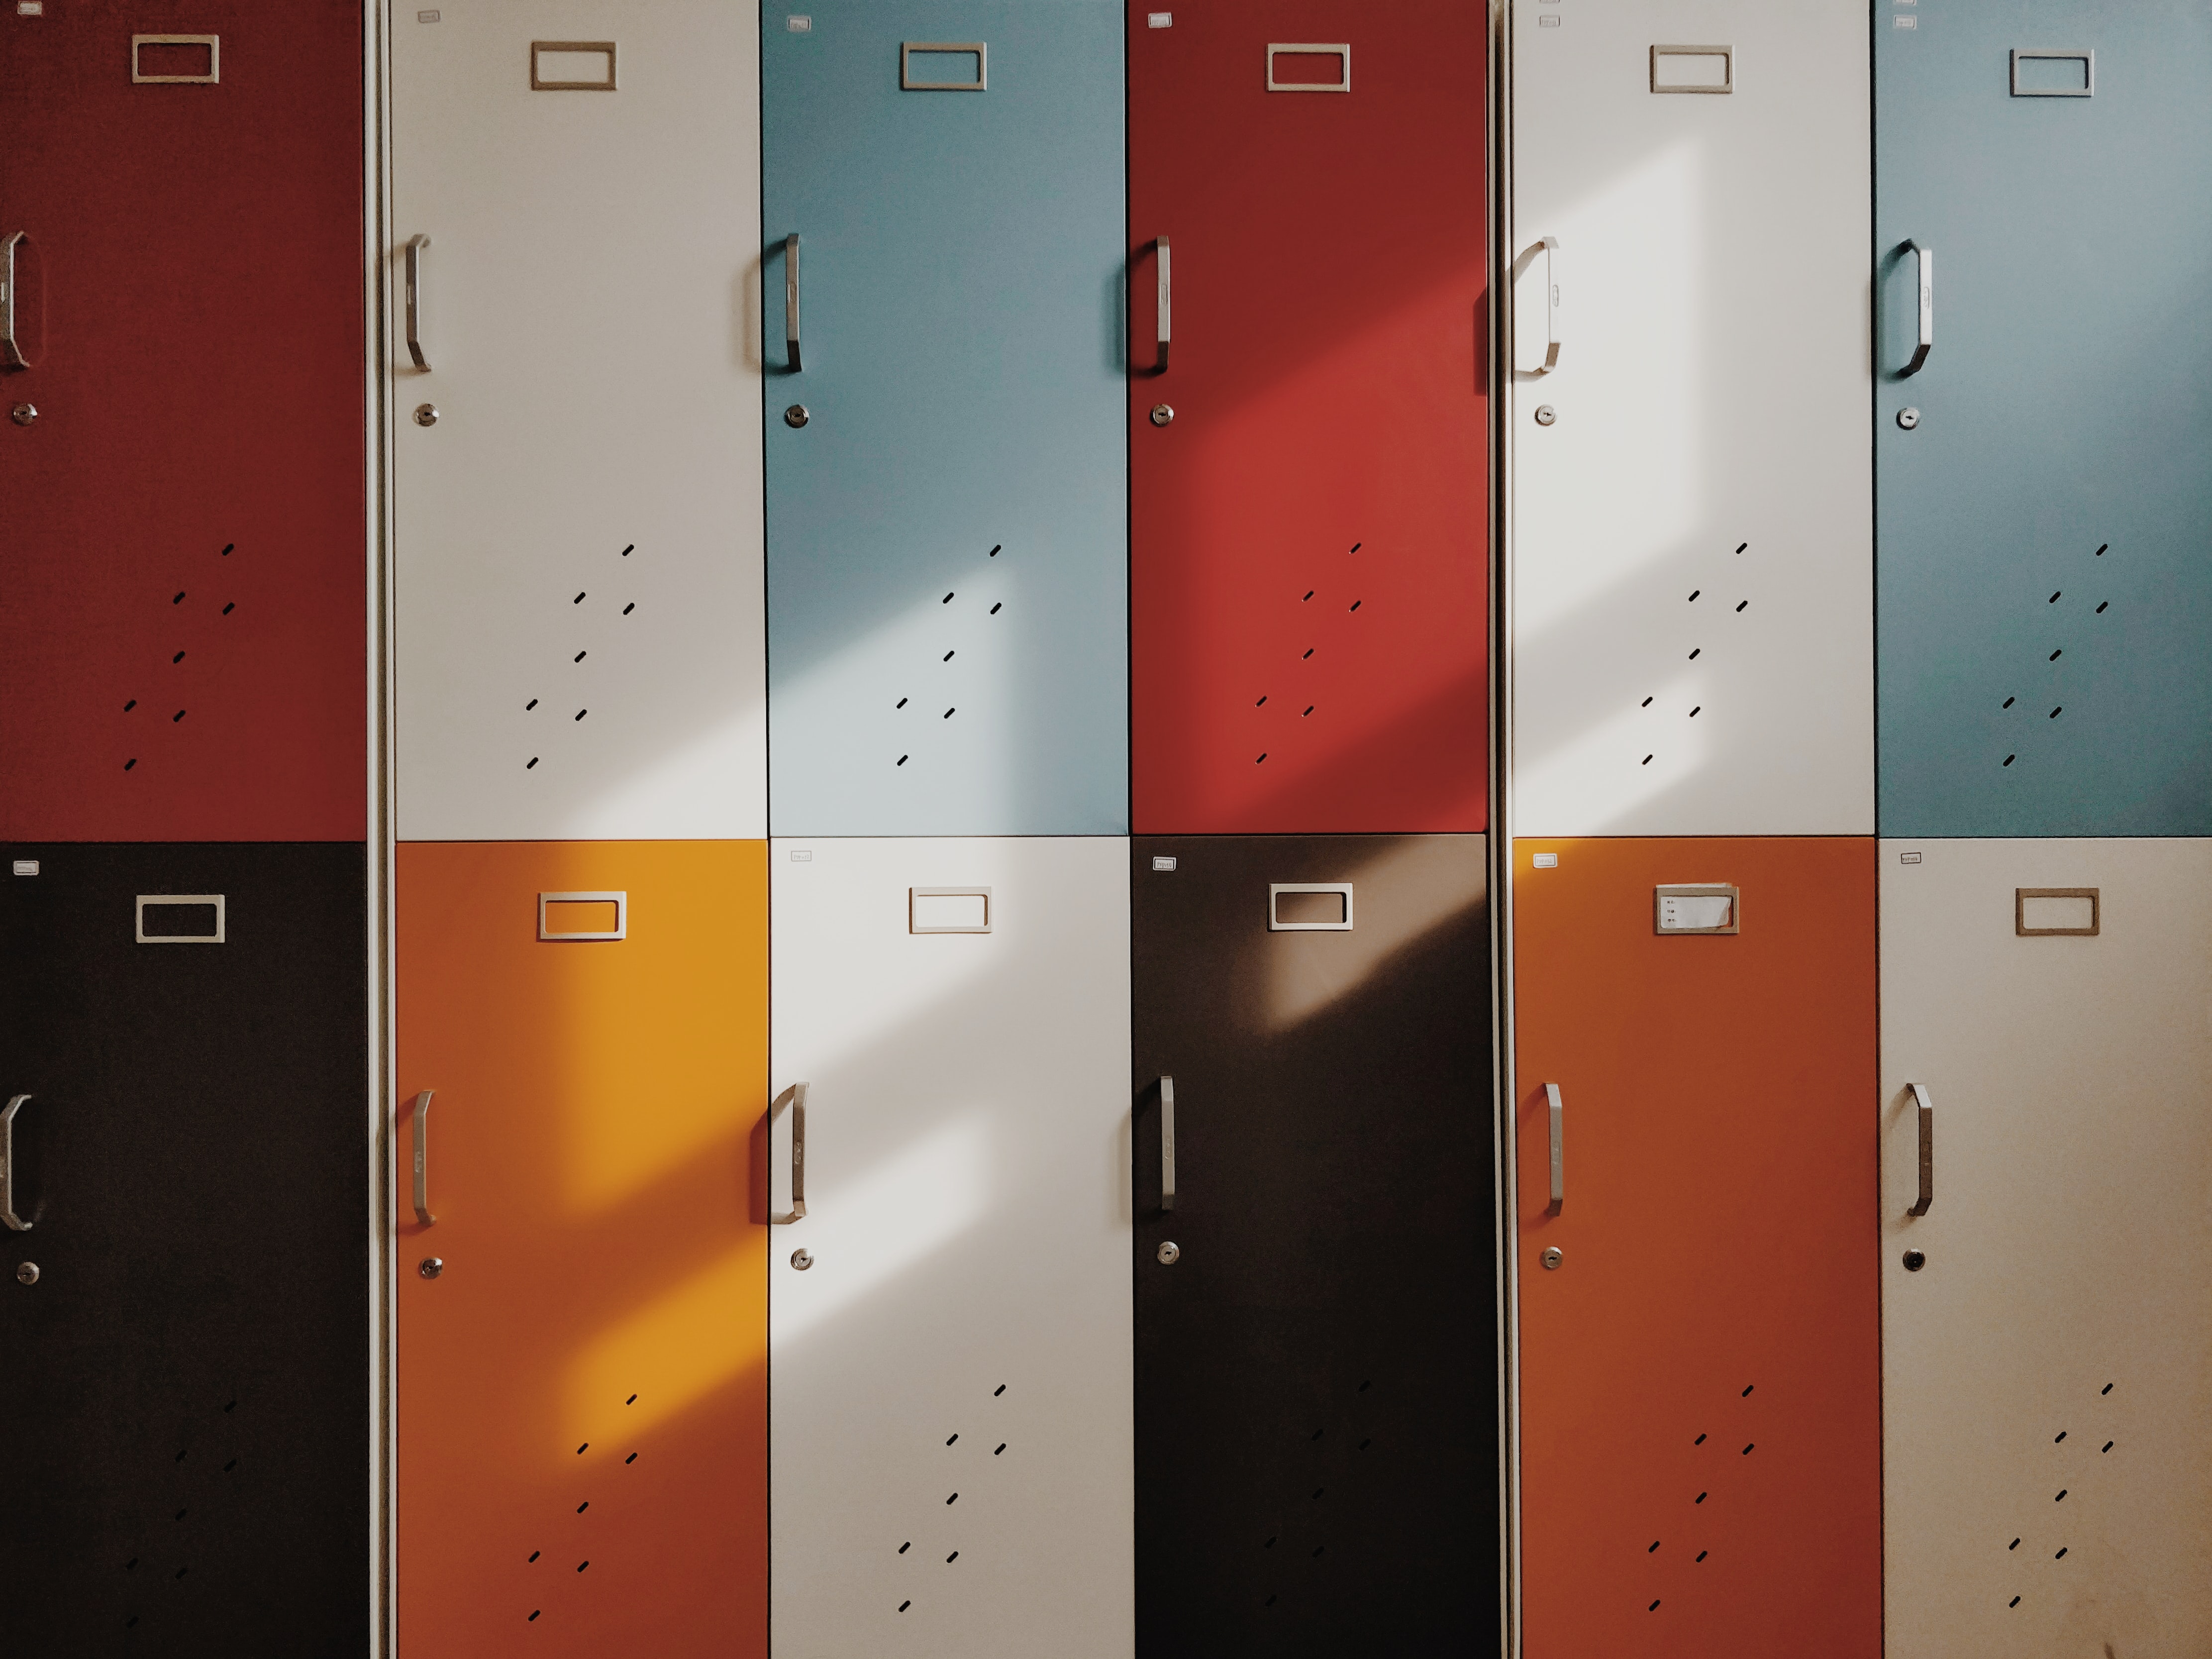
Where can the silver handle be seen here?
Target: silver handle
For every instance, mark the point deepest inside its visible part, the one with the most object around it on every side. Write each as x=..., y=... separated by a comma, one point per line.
x=790, y=302
x=1167, y=1143
x=415, y=246
x=8, y=1165
x=1926, y=1115
x=422, y=1157
x=796, y=1096
x=15, y=351
x=1167, y=290
x=1549, y=247
x=1559, y=1116
x=1924, y=260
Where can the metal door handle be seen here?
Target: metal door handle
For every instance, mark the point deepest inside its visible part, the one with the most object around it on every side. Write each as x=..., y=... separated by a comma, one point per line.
x=415, y=246
x=1167, y=289
x=797, y=1096
x=1926, y=1115
x=8, y=1165
x=422, y=1157
x=1923, y=259
x=790, y=302
x=1559, y=1116
x=1549, y=247
x=18, y=258
x=1167, y=1143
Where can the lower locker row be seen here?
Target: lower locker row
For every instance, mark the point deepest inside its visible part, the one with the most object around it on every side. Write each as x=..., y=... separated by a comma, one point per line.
x=1122, y=1215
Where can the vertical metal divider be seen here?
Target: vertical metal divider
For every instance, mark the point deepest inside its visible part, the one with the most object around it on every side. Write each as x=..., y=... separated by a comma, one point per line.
x=1500, y=202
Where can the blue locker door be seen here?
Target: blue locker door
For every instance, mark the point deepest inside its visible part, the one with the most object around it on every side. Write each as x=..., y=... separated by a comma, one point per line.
x=2044, y=518
x=946, y=465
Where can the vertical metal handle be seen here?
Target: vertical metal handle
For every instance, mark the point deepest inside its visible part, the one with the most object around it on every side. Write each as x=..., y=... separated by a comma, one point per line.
x=20, y=314
x=795, y=1096
x=1924, y=263
x=8, y=1165
x=1926, y=1114
x=1557, y=1111
x=415, y=246
x=790, y=302
x=1167, y=1143
x=422, y=1157
x=1549, y=247
x=1167, y=290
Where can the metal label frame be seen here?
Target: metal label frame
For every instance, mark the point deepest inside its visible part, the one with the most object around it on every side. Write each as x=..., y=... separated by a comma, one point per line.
x=540, y=85
x=1340, y=50
x=1276, y=926
x=212, y=42
x=620, y=930
x=981, y=83
x=915, y=925
x=1726, y=54
x=2085, y=55
x=2022, y=895
x=215, y=937
x=1660, y=895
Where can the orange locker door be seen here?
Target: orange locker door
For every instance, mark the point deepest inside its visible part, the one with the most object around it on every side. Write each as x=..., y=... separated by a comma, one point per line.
x=583, y=1317
x=1700, y=1370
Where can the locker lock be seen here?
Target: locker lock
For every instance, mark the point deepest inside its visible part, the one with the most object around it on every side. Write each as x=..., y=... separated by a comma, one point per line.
x=432, y=1267
x=1546, y=415
x=1908, y=418
x=1162, y=414
x=796, y=416
x=1170, y=1253
x=24, y=413
x=801, y=1260
x=1914, y=1261
x=426, y=414
x=28, y=1272
x=1553, y=1257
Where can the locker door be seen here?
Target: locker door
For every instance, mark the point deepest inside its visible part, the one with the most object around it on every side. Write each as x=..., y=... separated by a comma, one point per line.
x=1309, y=585
x=947, y=507
x=581, y=1319
x=1700, y=1445
x=2047, y=1343
x=1692, y=514
x=183, y=1413
x=577, y=533
x=182, y=650
x=949, y=1351
x=1318, y=1425
x=2044, y=596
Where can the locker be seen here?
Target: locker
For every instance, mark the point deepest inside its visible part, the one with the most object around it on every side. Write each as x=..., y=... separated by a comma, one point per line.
x=1315, y=1250
x=183, y=653
x=1691, y=516
x=947, y=587
x=577, y=439
x=1309, y=317
x=183, y=1159
x=582, y=1295
x=2047, y=1342
x=2044, y=504
x=1700, y=1419
x=949, y=1292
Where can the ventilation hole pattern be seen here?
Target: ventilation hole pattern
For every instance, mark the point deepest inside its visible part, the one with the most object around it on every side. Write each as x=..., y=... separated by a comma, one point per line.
x=965, y=623
x=2066, y=1462
x=569, y=672
x=572, y=1540
x=1722, y=1499
x=1687, y=631
x=192, y=627
x=196, y=1505
x=1322, y=1481
x=966, y=1466
x=2068, y=621
x=1319, y=646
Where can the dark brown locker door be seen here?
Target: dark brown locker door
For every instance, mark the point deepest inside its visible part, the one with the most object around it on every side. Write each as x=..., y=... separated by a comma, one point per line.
x=185, y=1384
x=1316, y=1370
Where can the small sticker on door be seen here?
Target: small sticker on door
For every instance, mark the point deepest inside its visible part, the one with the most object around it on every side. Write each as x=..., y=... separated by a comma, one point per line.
x=1159, y=20
x=1547, y=860
x=799, y=25
x=1704, y=907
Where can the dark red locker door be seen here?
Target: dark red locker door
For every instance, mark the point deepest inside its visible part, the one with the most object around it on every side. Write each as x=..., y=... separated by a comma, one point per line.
x=181, y=643
x=1700, y=1361
x=1309, y=534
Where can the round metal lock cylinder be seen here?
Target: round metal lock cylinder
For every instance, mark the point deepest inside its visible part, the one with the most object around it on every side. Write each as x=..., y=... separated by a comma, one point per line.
x=1552, y=1256
x=426, y=414
x=801, y=1260
x=1908, y=418
x=23, y=414
x=28, y=1272
x=796, y=416
x=432, y=1267
x=1914, y=1261
x=1162, y=414
x=1170, y=1253
x=1546, y=415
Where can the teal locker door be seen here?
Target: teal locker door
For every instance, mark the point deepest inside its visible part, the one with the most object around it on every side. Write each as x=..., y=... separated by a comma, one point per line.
x=2045, y=506
x=946, y=466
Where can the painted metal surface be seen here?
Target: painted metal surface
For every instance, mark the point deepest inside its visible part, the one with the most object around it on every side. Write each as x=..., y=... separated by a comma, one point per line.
x=2045, y=592
x=577, y=540
x=182, y=644
x=951, y=1373
x=582, y=1431
x=1317, y=1424
x=947, y=540
x=2048, y=1368
x=1310, y=534
x=1700, y=1371
x=1692, y=601
x=184, y=1407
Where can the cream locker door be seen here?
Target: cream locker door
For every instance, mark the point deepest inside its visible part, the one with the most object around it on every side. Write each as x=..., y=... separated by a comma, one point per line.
x=578, y=534
x=2048, y=1364
x=951, y=1462
x=1691, y=507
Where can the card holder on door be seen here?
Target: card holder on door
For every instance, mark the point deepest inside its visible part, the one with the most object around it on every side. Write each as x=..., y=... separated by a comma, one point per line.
x=948, y=909
x=1694, y=69
x=937, y=58
x=2054, y=73
x=1700, y=907
x=570, y=917
x=179, y=60
x=1306, y=67
x=2056, y=912
x=180, y=918
x=1308, y=906
x=572, y=66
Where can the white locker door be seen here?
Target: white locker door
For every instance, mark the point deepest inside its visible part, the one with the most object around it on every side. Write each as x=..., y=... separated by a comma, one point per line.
x=578, y=533
x=1692, y=505
x=950, y=1460
x=2047, y=1365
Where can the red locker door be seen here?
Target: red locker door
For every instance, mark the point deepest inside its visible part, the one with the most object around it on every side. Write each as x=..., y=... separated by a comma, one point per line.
x=1309, y=526
x=1701, y=1380
x=181, y=648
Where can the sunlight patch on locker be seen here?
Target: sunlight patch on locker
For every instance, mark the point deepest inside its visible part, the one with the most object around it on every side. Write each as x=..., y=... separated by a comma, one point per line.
x=679, y=1347
x=1409, y=892
x=679, y=785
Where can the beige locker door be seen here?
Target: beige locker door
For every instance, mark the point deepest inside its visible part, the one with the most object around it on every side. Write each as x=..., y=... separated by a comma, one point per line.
x=2048, y=1366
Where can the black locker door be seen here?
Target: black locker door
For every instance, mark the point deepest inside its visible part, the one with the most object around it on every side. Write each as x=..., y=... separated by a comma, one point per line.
x=1317, y=1424
x=184, y=1383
